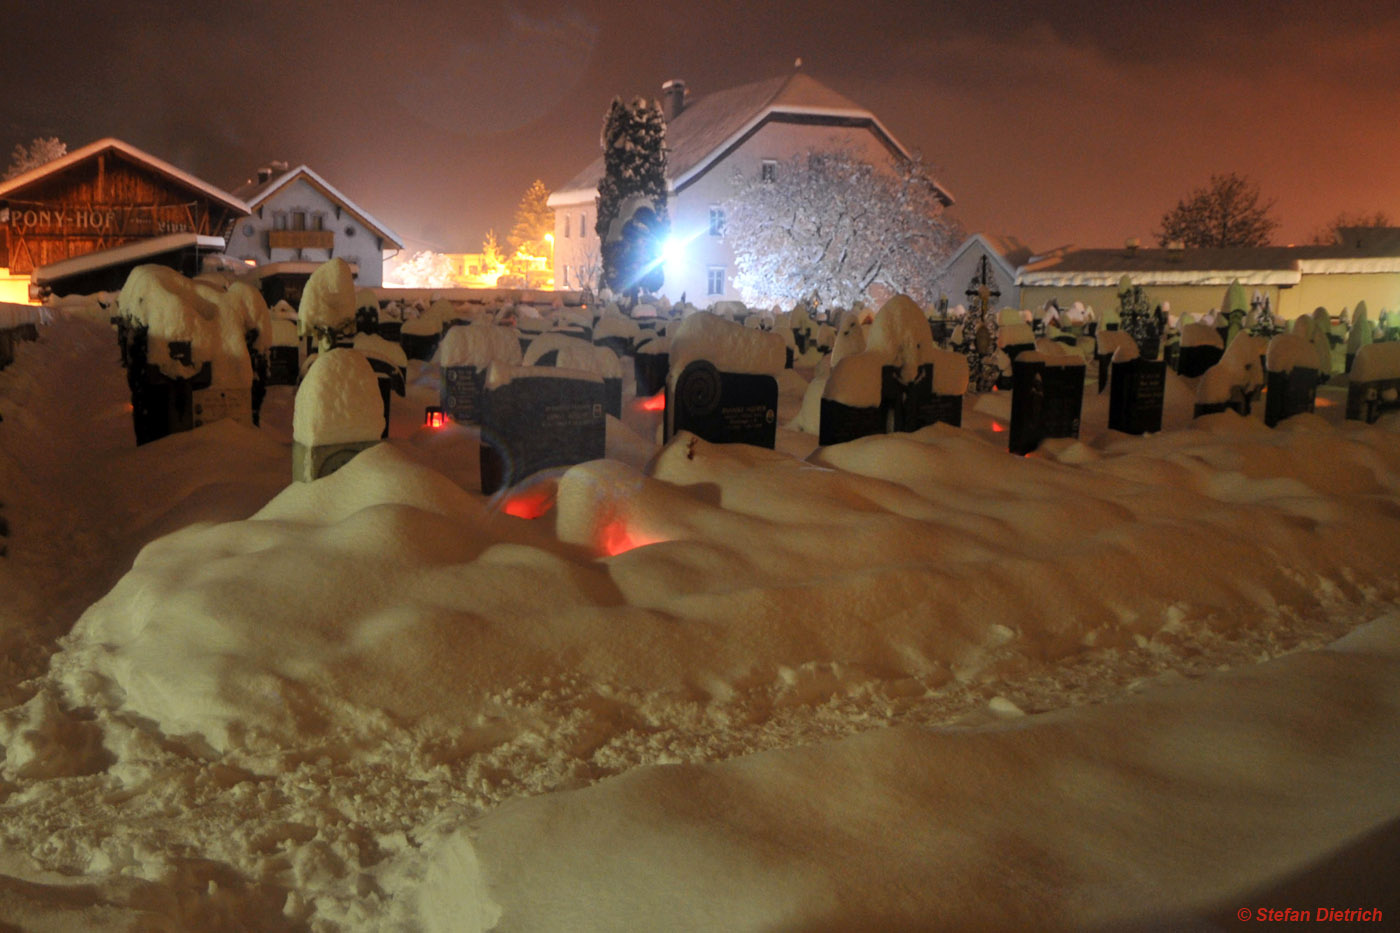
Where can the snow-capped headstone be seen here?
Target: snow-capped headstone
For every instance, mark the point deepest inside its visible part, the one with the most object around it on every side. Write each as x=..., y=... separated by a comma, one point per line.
x=327, y=309
x=284, y=356
x=851, y=399
x=1047, y=393
x=720, y=386
x=1201, y=348
x=1293, y=363
x=651, y=364
x=1374, y=386
x=338, y=413
x=536, y=418
x=559, y=349
x=1136, y=396
x=466, y=353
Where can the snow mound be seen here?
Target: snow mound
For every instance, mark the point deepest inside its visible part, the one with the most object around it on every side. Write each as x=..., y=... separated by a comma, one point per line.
x=338, y=401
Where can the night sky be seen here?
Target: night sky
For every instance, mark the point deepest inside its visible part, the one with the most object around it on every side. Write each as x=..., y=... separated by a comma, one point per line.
x=1071, y=122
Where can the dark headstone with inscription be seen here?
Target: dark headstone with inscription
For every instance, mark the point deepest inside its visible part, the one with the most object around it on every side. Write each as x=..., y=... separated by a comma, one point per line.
x=651, y=370
x=460, y=393
x=622, y=346
x=1045, y=402
x=1135, y=399
x=841, y=423
x=911, y=406
x=539, y=420
x=283, y=365
x=723, y=408
x=1289, y=393
x=390, y=330
x=419, y=346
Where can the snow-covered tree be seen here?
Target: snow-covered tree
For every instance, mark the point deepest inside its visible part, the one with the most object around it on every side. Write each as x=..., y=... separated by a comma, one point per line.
x=1227, y=212
x=831, y=226
x=633, y=219
x=40, y=151
x=533, y=219
x=425, y=269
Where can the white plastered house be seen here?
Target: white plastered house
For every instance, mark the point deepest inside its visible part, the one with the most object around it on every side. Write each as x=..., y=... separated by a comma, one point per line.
x=747, y=130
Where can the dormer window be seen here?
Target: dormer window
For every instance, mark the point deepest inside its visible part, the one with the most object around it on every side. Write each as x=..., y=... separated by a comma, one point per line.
x=768, y=170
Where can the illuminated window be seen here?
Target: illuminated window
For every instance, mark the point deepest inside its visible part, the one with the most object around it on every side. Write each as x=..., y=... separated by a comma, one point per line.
x=714, y=280
x=298, y=220
x=768, y=171
x=716, y=220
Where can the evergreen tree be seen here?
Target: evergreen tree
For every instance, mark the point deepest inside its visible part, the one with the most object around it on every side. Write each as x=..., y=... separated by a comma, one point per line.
x=633, y=221
x=533, y=219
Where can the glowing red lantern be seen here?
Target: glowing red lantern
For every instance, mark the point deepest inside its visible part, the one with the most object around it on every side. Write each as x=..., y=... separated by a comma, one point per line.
x=433, y=417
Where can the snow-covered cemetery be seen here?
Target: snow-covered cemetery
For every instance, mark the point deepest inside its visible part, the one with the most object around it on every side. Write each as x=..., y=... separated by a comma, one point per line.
x=746, y=542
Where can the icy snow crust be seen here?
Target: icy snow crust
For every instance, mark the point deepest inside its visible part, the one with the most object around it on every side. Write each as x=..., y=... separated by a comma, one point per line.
x=731, y=689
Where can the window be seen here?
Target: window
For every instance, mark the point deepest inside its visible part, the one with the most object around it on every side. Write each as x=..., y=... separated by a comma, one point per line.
x=714, y=280
x=298, y=220
x=279, y=221
x=582, y=224
x=566, y=276
x=768, y=171
x=716, y=220
x=567, y=224
x=318, y=222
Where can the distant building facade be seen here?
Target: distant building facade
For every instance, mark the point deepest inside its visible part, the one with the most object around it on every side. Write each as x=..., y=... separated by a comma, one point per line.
x=105, y=195
x=1364, y=265
x=750, y=131
x=298, y=220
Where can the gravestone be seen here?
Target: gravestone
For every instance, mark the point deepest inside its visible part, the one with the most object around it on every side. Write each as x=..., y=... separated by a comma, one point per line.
x=283, y=365
x=723, y=408
x=911, y=406
x=841, y=423
x=651, y=370
x=1045, y=402
x=460, y=393
x=1289, y=393
x=1194, y=361
x=1136, y=396
x=539, y=420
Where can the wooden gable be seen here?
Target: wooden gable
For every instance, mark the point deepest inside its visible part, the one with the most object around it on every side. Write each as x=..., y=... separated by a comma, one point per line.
x=106, y=199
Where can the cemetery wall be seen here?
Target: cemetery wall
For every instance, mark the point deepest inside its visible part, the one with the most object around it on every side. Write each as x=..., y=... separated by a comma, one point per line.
x=1185, y=299
x=1334, y=292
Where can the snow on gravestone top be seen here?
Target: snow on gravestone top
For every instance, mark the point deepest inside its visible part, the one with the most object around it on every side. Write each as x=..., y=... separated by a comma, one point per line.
x=1109, y=342
x=1377, y=361
x=616, y=325
x=376, y=347
x=503, y=374
x=1015, y=333
x=857, y=380
x=328, y=300
x=1066, y=357
x=338, y=401
x=1239, y=366
x=1201, y=335
x=430, y=321
x=284, y=333
x=574, y=353
x=729, y=346
x=248, y=303
x=366, y=299
x=479, y=345
x=1009, y=317
x=172, y=310
x=902, y=333
x=850, y=338
x=1291, y=351
x=950, y=373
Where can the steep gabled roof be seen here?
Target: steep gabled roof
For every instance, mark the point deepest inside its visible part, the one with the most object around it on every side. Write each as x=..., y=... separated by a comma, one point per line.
x=259, y=194
x=710, y=127
x=110, y=144
x=133, y=252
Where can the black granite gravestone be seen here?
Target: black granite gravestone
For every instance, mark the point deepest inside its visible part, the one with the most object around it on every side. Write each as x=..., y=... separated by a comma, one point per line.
x=1135, y=400
x=612, y=385
x=283, y=365
x=723, y=408
x=651, y=370
x=535, y=423
x=841, y=423
x=1194, y=361
x=1045, y=402
x=911, y=406
x=1366, y=400
x=1289, y=393
x=390, y=330
x=460, y=393
x=419, y=346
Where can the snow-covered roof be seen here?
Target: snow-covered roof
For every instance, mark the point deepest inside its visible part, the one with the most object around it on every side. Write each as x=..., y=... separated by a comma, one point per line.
x=710, y=127
x=997, y=249
x=1254, y=265
x=136, y=155
x=127, y=252
x=259, y=194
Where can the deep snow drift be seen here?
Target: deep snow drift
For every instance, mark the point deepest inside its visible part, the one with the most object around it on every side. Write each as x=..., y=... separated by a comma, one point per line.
x=908, y=681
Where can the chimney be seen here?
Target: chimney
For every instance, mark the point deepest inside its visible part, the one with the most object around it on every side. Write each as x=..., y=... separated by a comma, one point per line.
x=1131, y=246
x=672, y=98
x=264, y=174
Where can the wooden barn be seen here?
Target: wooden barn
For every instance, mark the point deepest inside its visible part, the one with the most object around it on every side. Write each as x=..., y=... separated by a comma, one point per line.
x=104, y=195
